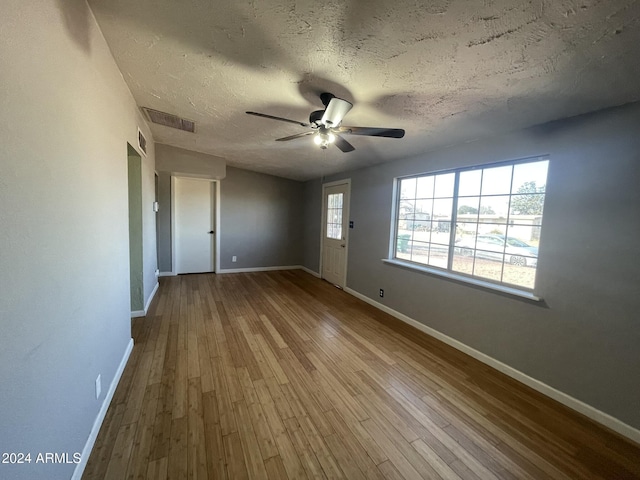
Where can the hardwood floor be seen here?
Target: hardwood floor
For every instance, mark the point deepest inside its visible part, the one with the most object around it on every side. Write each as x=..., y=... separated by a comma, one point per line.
x=280, y=375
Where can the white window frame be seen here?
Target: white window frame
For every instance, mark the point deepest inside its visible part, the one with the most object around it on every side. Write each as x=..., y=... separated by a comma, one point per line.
x=448, y=272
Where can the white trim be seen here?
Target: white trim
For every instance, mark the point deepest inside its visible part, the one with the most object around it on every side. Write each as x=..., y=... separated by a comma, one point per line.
x=143, y=313
x=153, y=294
x=309, y=271
x=565, y=399
x=174, y=271
x=259, y=269
x=216, y=260
x=166, y=274
x=463, y=279
x=88, y=446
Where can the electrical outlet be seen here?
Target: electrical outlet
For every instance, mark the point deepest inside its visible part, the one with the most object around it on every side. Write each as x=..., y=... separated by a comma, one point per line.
x=98, y=386
x=234, y=259
x=381, y=293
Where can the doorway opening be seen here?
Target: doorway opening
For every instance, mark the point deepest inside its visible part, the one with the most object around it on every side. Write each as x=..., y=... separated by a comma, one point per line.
x=134, y=169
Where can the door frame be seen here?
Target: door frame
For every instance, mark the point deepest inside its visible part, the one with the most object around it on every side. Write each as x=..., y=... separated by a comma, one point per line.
x=323, y=220
x=216, y=201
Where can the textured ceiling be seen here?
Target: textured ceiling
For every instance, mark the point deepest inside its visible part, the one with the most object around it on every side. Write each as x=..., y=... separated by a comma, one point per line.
x=447, y=71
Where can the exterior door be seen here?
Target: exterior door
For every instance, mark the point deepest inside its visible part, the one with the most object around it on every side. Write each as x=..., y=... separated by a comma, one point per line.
x=334, y=233
x=194, y=222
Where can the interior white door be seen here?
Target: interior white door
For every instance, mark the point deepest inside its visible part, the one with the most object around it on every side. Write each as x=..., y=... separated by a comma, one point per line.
x=194, y=225
x=334, y=233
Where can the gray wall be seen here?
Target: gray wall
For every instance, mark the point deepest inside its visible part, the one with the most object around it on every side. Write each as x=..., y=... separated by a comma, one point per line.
x=311, y=229
x=66, y=116
x=179, y=161
x=164, y=222
x=136, y=269
x=260, y=220
x=586, y=340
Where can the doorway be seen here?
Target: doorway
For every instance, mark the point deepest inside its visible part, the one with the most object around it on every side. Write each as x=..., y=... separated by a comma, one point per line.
x=194, y=224
x=134, y=170
x=335, y=225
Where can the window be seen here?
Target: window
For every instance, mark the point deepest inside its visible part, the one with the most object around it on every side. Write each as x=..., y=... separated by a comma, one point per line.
x=480, y=222
x=334, y=216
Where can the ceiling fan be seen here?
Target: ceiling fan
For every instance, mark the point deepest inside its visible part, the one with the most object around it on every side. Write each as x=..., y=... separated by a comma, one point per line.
x=326, y=125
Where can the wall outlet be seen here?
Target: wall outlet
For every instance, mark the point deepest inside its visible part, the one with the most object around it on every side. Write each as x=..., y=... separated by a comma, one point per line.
x=98, y=386
x=381, y=293
x=234, y=259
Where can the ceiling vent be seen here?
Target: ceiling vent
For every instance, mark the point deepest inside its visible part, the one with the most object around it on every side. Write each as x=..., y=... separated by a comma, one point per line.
x=169, y=120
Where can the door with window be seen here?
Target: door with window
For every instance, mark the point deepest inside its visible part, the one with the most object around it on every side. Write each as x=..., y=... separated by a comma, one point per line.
x=335, y=223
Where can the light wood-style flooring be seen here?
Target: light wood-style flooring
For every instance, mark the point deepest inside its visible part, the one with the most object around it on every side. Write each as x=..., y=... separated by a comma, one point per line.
x=280, y=375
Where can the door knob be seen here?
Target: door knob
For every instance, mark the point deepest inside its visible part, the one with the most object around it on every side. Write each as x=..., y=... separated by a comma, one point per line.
x=212, y=232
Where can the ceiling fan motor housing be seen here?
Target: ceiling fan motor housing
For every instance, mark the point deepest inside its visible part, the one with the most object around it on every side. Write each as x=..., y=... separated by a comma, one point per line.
x=315, y=117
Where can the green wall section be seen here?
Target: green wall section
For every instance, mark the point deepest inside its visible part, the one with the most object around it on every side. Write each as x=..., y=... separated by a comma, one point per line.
x=135, y=230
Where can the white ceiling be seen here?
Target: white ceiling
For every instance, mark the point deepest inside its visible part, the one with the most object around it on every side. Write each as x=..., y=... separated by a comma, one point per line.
x=447, y=71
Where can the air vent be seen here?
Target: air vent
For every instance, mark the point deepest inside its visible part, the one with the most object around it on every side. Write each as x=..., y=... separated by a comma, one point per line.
x=169, y=120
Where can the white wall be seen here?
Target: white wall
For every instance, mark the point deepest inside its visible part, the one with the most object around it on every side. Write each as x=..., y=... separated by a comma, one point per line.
x=66, y=116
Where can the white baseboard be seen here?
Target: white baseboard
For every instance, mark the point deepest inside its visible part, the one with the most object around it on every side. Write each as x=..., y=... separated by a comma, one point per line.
x=309, y=271
x=150, y=299
x=258, y=269
x=88, y=446
x=166, y=274
x=567, y=400
x=143, y=313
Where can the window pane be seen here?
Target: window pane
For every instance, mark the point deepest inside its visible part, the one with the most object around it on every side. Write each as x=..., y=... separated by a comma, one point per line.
x=492, y=229
x=488, y=267
x=408, y=188
x=442, y=209
x=497, y=180
x=335, y=200
x=526, y=205
x=530, y=177
x=463, y=260
x=424, y=209
x=494, y=209
x=438, y=255
x=420, y=252
x=468, y=209
x=406, y=208
x=425, y=187
x=470, y=183
x=444, y=185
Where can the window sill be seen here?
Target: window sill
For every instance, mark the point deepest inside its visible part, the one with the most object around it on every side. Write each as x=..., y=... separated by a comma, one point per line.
x=463, y=279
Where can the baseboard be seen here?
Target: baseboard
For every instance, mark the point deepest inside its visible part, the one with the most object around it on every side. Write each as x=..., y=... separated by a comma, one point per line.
x=143, y=313
x=88, y=446
x=309, y=271
x=258, y=269
x=166, y=274
x=150, y=299
x=565, y=399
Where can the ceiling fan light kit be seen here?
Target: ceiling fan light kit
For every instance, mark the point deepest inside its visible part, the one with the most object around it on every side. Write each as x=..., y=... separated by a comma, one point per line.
x=326, y=125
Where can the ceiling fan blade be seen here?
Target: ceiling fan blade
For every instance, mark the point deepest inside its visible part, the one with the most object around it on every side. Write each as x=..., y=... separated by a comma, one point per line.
x=335, y=112
x=372, y=131
x=293, y=137
x=278, y=118
x=343, y=145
